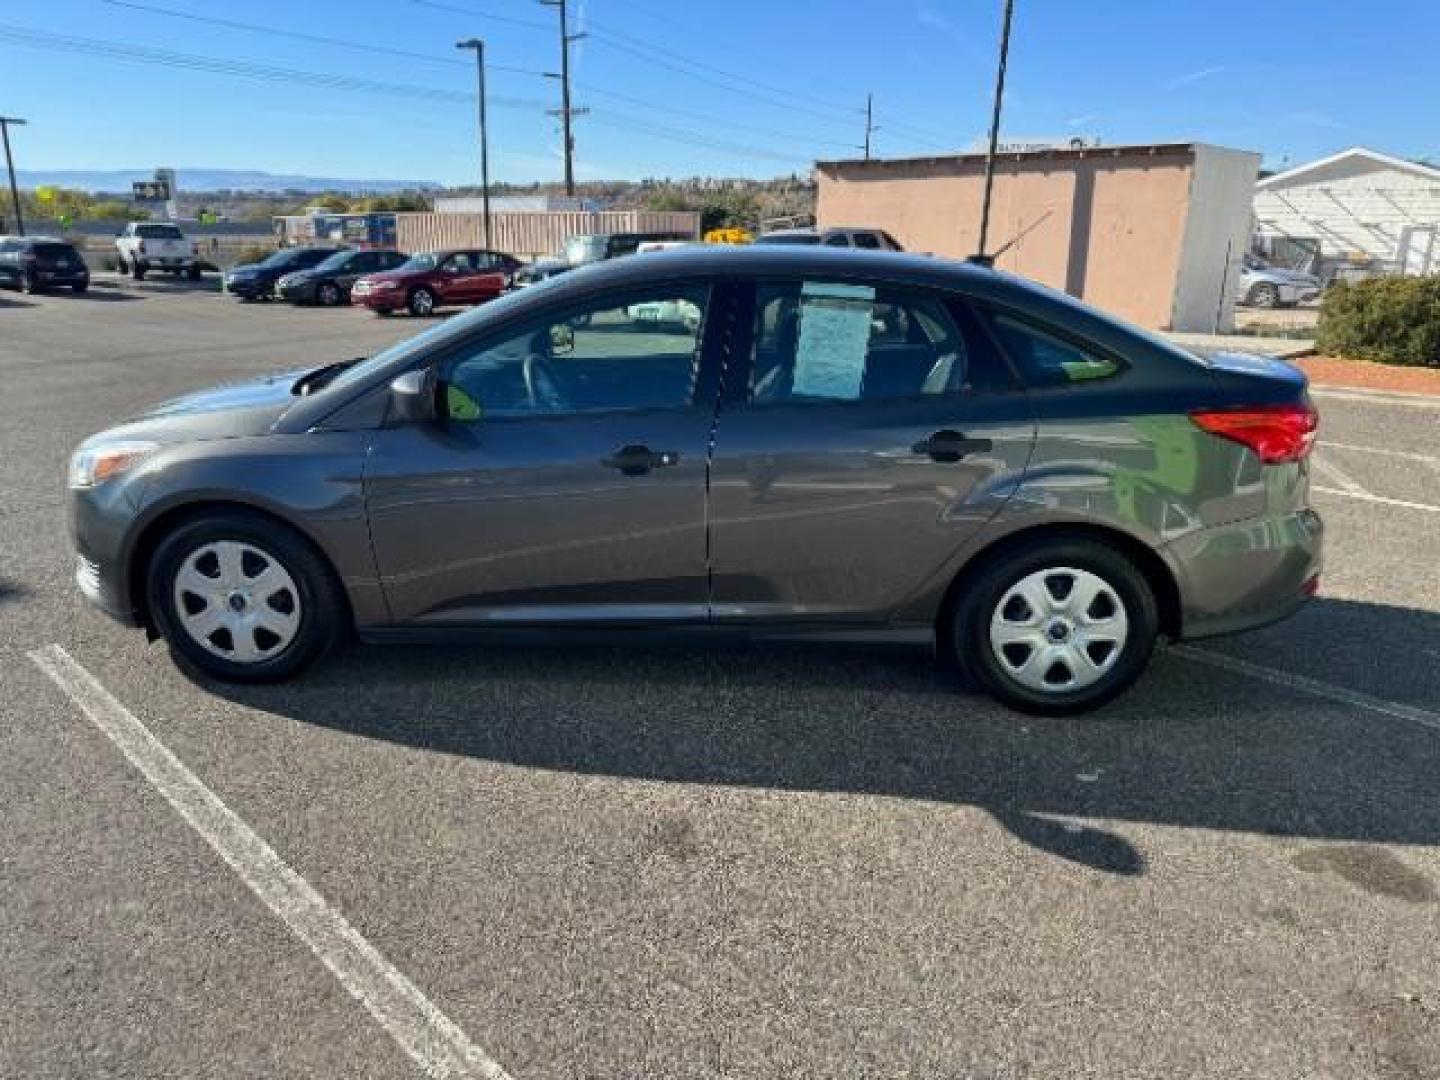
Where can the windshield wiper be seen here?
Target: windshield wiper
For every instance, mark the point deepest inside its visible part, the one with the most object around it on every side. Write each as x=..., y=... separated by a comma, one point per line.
x=317, y=379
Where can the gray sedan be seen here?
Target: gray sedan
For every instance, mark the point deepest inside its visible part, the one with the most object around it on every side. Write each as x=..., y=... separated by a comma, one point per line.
x=831, y=445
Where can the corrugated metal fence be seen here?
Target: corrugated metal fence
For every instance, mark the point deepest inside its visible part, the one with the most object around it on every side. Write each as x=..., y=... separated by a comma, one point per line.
x=532, y=233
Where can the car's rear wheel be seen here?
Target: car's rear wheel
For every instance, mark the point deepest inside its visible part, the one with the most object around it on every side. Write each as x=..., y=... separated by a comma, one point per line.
x=1055, y=627
x=1265, y=295
x=240, y=598
x=421, y=302
x=137, y=271
x=193, y=273
x=29, y=284
x=80, y=286
x=328, y=294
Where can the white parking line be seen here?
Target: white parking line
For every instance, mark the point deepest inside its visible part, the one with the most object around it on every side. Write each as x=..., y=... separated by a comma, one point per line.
x=1407, y=455
x=1404, y=504
x=1380, y=397
x=1339, y=475
x=1303, y=683
x=427, y=1035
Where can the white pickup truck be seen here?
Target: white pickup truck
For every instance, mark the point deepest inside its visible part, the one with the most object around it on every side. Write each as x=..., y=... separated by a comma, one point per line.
x=156, y=245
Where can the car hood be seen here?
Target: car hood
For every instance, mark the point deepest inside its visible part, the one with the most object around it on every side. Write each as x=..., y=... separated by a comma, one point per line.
x=223, y=412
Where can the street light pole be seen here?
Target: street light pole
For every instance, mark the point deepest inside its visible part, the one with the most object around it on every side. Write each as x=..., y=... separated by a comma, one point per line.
x=5, y=122
x=995, y=128
x=479, y=46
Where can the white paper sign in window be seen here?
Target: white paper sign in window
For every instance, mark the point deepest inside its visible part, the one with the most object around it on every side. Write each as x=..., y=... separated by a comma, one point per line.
x=834, y=340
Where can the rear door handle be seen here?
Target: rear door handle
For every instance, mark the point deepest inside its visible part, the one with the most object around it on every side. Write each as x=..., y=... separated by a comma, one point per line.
x=637, y=460
x=950, y=446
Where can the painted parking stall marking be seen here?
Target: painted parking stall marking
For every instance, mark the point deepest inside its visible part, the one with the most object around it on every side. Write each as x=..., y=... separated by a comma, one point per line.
x=431, y=1039
x=1342, y=694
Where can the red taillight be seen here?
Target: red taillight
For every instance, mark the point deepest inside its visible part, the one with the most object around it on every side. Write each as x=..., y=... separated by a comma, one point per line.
x=1277, y=433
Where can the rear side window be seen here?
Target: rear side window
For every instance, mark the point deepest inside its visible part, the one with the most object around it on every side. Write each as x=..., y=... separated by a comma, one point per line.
x=838, y=240
x=822, y=341
x=867, y=240
x=1045, y=359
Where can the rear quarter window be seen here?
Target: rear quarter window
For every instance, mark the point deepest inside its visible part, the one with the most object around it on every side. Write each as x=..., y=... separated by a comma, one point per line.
x=1047, y=359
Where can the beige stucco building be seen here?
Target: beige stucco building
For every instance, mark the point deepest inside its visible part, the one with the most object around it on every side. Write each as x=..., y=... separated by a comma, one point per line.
x=1154, y=234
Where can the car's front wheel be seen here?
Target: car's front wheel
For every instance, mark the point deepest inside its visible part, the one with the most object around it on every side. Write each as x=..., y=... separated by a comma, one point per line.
x=328, y=294
x=240, y=598
x=1055, y=627
x=1265, y=295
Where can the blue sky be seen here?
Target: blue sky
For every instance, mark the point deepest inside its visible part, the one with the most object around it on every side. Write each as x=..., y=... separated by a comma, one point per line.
x=737, y=87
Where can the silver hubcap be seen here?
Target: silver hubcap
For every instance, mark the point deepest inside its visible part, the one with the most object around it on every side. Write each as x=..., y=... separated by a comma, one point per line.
x=1059, y=630
x=423, y=303
x=237, y=601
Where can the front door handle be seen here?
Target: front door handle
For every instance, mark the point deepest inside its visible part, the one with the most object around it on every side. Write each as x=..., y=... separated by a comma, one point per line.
x=950, y=446
x=637, y=460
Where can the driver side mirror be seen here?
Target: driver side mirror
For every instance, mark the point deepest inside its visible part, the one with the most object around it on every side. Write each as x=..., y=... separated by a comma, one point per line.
x=412, y=397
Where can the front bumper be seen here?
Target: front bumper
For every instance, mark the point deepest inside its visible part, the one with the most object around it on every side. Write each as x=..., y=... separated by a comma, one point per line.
x=300, y=293
x=377, y=299
x=1249, y=573
x=249, y=289
x=100, y=519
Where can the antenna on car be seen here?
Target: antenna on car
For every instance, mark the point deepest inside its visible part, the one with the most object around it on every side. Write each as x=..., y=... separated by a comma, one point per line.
x=989, y=260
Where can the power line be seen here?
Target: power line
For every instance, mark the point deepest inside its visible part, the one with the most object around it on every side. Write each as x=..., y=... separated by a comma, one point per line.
x=24, y=36
x=269, y=73
x=316, y=39
x=456, y=9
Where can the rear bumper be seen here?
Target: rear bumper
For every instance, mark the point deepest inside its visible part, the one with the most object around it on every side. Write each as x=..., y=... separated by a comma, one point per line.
x=1247, y=574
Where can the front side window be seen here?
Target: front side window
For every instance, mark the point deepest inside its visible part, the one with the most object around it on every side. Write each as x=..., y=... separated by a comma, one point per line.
x=831, y=341
x=462, y=262
x=1047, y=360
x=868, y=241
x=634, y=352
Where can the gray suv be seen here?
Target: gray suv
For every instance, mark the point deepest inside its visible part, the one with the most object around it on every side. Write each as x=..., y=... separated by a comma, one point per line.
x=763, y=442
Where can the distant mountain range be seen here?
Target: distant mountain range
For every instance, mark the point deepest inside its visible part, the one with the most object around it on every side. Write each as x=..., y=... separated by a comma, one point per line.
x=195, y=180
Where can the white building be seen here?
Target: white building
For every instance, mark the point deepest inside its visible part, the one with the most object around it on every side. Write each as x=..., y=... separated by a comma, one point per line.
x=1359, y=207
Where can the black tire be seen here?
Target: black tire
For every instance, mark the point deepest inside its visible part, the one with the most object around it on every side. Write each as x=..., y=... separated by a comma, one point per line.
x=327, y=294
x=120, y=267
x=322, y=607
x=29, y=285
x=421, y=302
x=80, y=286
x=1264, y=295
x=383, y=312
x=194, y=272
x=137, y=271
x=966, y=633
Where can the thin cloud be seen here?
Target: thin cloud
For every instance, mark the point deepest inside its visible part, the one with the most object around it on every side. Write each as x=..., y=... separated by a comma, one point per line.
x=1081, y=121
x=929, y=16
x=1190, y=78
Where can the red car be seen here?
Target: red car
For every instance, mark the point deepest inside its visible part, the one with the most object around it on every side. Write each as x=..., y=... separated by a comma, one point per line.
x=437, y=279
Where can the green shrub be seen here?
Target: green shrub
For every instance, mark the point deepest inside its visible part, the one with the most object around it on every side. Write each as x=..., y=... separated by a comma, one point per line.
x=1388, y=320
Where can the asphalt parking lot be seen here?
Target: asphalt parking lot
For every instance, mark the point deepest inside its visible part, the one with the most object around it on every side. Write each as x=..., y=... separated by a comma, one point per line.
x=743, y=863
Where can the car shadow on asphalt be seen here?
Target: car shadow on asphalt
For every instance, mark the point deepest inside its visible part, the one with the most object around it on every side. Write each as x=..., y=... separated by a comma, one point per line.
x=1190, y=747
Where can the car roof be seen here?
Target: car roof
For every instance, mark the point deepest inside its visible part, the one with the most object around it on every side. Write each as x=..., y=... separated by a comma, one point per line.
x=791, y=232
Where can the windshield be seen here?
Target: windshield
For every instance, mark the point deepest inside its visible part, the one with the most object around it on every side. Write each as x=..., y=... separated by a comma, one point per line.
x=158, y=232
x=583, y=249
x=427, y=261
x=334, y=263
x=283, y=258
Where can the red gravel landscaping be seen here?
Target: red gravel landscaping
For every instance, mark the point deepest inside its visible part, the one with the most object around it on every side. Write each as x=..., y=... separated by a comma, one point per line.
x=1363, y=375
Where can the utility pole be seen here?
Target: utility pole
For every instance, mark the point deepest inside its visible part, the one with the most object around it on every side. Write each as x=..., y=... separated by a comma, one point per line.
x=869, y=122
x=995, y=129
x=565, y=112
x=5, y=122
x=479, y=46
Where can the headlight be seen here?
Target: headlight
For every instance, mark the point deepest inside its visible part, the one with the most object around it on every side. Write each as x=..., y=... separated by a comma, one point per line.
x=92, y=466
